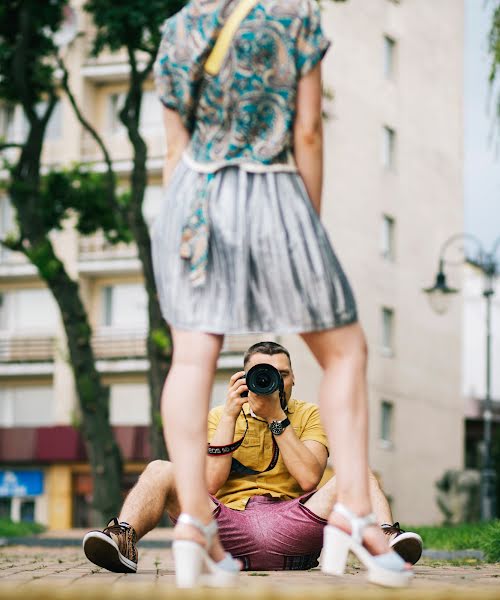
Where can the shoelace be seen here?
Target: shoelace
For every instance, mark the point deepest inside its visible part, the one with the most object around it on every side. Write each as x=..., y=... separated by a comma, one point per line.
x=389, y=529
x=117, y=527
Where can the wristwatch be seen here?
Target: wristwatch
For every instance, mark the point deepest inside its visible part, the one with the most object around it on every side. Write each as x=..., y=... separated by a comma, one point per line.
x=278, y=427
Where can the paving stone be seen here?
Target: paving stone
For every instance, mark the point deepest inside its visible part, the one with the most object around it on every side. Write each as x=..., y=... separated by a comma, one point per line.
x=65, y=574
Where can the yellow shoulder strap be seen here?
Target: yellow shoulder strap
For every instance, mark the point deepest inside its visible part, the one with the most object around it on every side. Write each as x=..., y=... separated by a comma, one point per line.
x=214, y=61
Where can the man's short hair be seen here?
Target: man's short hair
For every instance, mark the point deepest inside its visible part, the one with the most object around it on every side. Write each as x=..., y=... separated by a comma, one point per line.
x=269, y=348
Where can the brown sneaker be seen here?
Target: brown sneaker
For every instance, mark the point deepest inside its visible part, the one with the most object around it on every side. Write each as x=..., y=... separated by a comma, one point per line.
x=406, y=543
x=113, y=548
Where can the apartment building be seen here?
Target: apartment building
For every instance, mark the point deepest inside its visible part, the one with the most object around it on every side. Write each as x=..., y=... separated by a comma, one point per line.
x=393, y=192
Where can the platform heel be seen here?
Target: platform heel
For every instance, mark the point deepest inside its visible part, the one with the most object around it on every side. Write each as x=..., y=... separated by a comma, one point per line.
x=335, y=551
x=189, y=558
x=193, y=565
x=387, y=569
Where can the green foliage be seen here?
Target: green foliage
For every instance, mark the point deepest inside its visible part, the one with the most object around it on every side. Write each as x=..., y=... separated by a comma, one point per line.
x=26, y=32
x=161, y=339
x=87, y=195
x=10, y=529
x=469, y=536
x=132, y=23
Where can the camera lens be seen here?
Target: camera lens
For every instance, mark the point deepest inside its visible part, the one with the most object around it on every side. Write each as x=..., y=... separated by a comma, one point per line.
x=263, y=379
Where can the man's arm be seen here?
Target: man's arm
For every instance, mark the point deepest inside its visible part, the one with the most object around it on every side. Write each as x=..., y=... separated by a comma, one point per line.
x=305, y=460
x=219, y=466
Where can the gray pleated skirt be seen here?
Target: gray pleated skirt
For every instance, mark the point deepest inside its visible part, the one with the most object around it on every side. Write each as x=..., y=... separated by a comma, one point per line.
x=271, y=267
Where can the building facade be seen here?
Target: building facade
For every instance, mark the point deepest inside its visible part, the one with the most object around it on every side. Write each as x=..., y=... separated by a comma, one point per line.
x=393, y=192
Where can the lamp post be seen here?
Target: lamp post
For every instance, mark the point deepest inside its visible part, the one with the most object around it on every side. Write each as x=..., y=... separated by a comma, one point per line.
x=440, y=295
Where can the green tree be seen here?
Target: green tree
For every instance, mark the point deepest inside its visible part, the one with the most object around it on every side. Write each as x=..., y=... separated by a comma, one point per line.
x=28, y=61
x=133, y=26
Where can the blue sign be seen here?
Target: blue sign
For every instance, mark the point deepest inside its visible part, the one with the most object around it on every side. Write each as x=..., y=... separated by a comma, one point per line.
x=21, y=483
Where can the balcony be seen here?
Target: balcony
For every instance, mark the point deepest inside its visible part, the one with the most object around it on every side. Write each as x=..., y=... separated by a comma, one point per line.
x=96, y=256
x=26, y=355
x=26, y=349
x=15, y=264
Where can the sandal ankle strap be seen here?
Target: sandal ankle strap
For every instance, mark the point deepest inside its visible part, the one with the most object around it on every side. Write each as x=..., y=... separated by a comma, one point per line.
x=208, y=531
x=358, y=524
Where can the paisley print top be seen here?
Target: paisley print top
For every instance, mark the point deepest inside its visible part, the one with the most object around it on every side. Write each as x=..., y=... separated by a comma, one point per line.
x=245, y=113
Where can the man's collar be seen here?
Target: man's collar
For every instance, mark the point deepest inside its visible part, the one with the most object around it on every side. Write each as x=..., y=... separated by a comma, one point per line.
x=289, y=409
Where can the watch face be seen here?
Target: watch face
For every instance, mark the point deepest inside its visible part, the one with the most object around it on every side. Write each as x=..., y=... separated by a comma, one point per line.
x=276, y=427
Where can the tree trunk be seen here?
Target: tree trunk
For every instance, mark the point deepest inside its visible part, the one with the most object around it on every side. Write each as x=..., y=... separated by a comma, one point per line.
x=103, y=452
x=159, y=345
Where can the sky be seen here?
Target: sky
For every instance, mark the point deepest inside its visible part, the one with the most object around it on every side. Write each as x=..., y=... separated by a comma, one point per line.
x=482, y=141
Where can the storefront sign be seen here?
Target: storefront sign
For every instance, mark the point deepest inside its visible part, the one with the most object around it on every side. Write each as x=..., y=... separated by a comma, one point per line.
x=21, y=483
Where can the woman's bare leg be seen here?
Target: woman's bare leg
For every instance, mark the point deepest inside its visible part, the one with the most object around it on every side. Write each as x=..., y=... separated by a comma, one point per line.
x=185, y=402
x=342, y=353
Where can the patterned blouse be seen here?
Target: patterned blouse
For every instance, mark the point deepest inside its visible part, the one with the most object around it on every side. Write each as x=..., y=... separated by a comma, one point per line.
x=243, y=115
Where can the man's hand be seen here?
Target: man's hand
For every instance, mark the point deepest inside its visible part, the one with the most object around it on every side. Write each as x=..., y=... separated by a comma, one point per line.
x=234, y=401
x=267, y=408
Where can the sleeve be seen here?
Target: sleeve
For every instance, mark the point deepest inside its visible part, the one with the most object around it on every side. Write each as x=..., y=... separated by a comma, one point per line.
x=313, y=429
x=213, y=421
x=176, y=75
x=312, y=44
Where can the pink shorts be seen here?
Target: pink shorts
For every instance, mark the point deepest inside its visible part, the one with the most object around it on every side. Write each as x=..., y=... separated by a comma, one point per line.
x=271, y=534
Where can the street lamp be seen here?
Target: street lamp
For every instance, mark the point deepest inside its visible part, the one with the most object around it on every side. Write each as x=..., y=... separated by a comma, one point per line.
x=440, y=296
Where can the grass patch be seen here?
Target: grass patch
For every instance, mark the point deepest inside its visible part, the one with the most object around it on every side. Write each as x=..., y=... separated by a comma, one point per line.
x=10, y=529
x=468, y=536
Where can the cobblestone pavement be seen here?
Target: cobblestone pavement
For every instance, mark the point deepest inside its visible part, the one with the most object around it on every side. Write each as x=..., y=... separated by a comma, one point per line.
x=65, y=573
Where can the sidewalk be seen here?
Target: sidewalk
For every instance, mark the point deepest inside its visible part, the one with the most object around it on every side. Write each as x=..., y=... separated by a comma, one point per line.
x=53, y=573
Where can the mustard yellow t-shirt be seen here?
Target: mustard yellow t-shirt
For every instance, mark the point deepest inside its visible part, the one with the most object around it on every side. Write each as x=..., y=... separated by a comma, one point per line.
x=256, y=452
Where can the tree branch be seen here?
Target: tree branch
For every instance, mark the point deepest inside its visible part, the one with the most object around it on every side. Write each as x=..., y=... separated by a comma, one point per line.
x=91, y=130
x=10, y=145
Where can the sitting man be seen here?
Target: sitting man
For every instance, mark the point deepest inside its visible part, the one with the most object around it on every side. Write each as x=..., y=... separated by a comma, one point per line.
x=269, y=514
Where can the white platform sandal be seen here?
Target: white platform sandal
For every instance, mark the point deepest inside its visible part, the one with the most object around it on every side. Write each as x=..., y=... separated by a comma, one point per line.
x=193, y=565
x=383, y=569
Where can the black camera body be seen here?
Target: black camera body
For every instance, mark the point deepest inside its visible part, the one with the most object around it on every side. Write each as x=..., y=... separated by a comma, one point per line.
x=263, y=380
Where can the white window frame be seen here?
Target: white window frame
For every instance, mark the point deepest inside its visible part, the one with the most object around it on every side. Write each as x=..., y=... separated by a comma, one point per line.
x=388, y=330
x=388, y=238
x=389, y=141
x=386, y=432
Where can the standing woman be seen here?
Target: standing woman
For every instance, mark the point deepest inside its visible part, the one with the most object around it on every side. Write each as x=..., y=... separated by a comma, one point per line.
x=239, y=248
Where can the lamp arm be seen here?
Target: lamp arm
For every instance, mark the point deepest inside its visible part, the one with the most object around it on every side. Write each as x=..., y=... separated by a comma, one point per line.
x=456, y=237
x=496, y=248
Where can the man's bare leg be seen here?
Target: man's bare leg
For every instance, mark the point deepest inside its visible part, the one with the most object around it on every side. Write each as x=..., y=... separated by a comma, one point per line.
x=153, y=494
x=322, y=501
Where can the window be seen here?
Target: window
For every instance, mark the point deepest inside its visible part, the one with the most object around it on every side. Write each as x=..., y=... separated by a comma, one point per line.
x=386, y=422
x=129, y=404
x=387, y=331
x=29, y=312
x=7, y=127
x=151, y=117
x=389, y=56
x=387, y=238
x=388, y=147
x=107, y=306
x=54, y=126
x=116, y=102
x=124, y=306
x=31, y=406
x=27, y=511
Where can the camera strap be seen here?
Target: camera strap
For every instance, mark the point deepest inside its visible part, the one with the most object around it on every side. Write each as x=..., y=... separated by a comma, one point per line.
x=238, y=468
x=221, y=450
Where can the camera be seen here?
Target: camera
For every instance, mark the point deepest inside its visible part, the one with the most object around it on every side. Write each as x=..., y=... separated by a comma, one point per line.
x=263, y=380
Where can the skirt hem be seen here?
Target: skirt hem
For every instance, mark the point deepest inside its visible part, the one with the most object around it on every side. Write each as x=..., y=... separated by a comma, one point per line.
x=277, y=331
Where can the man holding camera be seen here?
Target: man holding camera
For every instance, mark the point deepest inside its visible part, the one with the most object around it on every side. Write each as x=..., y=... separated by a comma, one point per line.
x=269, y=515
